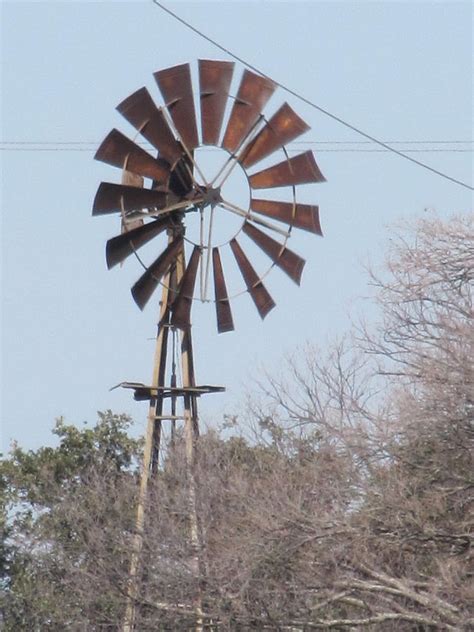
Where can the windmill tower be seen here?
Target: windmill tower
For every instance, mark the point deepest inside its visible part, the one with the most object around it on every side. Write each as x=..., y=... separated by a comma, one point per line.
x=184, y=207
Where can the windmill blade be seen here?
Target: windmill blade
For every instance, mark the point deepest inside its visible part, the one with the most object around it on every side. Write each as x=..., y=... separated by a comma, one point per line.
x=119, y=151
x=131, y=221
x=304, y=216
x=176, y=87
x=223, y=311
x=181, y=181
x=283, y=127
x=214, y=82
x=298, y=170
x=181, y=310
x=140, y=110
x=148, y=282
x=260, y=296
x=283, y=257
x=120, y=247
x=252, y=96
x=112, y=198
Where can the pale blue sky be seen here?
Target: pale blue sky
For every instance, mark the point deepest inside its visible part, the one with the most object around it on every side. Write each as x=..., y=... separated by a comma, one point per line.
x=400, y=71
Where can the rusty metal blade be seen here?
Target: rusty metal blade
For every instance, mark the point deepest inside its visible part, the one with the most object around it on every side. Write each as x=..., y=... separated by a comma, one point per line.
x=214, y=82
x=223, y=310
x=304, y=216
x=176, y=87
x=120, y=151
x=148, y=282
x=283, y=127
x=260, y=296
x=130, y=220
x=283, y=257
x=120, y=247
x=112, y=198
x=252, y=96
x=298, y=170
x=181, y=309
x=140, y=110
x=181, y=181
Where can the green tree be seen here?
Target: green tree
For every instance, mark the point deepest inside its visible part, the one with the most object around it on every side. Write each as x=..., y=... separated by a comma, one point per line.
x=68, y=508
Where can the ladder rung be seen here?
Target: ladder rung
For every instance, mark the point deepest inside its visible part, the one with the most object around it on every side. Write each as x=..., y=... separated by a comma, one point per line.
x=171, y=417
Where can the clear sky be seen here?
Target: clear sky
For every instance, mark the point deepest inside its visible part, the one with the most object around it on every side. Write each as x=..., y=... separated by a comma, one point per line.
x=402, y=71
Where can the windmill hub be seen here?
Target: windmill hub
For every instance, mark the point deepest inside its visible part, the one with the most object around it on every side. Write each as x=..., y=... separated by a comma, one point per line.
x=212, y=197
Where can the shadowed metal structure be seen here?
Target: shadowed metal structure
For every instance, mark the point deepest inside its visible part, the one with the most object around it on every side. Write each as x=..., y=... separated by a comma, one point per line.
x=199, y=111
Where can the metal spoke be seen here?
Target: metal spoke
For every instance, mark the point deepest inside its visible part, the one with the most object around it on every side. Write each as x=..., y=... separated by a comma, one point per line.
x=232, y=167
x=221, y=170
x=188, y=153
x=172, y=207
x=245, y=140
x=249, y=216
x=201, y=245
x=208, y=256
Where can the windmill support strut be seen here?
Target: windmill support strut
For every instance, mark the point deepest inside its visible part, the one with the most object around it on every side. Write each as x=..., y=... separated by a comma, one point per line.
x=188, y=392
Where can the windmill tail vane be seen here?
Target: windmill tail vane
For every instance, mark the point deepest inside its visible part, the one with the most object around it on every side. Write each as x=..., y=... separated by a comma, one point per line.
x=172, y=198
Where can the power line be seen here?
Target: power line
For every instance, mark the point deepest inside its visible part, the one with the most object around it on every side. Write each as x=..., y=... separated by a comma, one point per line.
x=322, y=146
x=347, y=150
x=311, y=103
x=295, y=142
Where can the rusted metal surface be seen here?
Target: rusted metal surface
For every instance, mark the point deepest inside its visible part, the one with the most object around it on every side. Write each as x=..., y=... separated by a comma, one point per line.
x=252, y=96
x=120, y=247
x=301, y=169
x=113, y=198
x=223, y=311
x=283, y=257
x=176, y=87
x=304, y=216
x=214, y=82
x=140, y=110
x=181, y=181
x=260, y=295
x=179, y=186
x=148, y=282
x=181, y=308
x=131, y=220
x=283, y=127
x=119, y=151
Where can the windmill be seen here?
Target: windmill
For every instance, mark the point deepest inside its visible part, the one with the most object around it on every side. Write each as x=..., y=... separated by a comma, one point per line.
x=170, y=203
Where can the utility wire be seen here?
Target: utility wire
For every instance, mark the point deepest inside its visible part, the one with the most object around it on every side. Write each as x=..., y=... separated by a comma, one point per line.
x=321, y=146
x=347, y=150
x=310, y=103
x=295, y=142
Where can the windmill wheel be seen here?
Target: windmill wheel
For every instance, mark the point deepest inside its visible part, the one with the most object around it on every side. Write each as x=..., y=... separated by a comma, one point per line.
x=180, y=190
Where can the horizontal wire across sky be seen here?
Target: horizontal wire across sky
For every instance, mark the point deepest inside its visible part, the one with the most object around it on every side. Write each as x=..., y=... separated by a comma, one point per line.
x=433, y=146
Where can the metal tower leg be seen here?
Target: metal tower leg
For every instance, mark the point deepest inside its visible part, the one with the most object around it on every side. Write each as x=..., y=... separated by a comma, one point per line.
x=188, y=392
x=150, y=455
x=191, y=433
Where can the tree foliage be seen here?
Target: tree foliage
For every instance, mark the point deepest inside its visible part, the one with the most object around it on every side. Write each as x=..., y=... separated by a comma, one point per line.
x=67, y=508
x=344, y=503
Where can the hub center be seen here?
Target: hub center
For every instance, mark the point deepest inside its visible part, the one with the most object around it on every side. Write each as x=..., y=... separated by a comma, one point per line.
x=212, y=197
